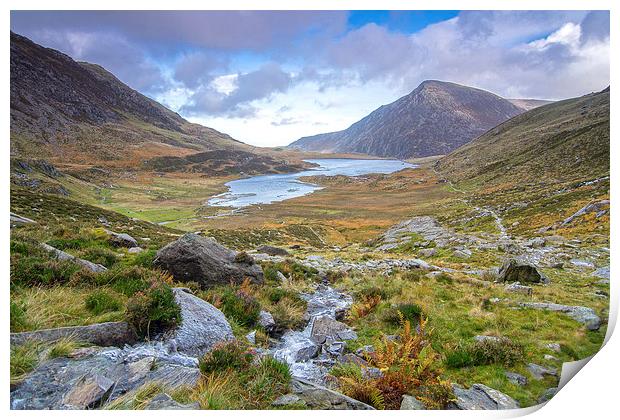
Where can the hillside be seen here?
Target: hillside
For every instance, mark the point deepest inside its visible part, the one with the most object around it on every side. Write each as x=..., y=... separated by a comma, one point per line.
x=434, y=119
x=70, y=112
x=527, y=104
x=562, y=141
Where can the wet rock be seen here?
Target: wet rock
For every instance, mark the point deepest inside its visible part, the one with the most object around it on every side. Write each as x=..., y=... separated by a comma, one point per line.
x=547, y=395
x=202, y=325
x=335, y=348
x=63, y=256
x=272, y=250
x=481, y=397
x=519, y=288
x=581, y=314
x=88, y=392
x=265, y=320
x=17, y=220
x=522, y=272
x=516, y=378
x=326, y=327
x=204, y=260
x=539, y=372
x=104, y=334
x=121, y=240
x=318, y=397
x=306, y=352
x=288, y=399
x=165, y=402
x=411, y=403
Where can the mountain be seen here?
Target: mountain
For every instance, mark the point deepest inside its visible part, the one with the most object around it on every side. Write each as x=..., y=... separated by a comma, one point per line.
x=434, y=119
x=69, y=111
x=527, y=104
x=563, y=141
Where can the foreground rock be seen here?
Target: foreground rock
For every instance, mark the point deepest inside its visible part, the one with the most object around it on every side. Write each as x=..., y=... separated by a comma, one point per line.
x=104, y=334
x=320, y=398
x=202, y=325
x=63, y=256
x=514, y=271
x=581, y=314
x=205, y=261
x=165, y=402
x=481, y=397
x=411, y=403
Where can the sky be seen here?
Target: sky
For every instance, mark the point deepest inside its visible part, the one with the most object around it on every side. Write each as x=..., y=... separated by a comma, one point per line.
x=268, y=78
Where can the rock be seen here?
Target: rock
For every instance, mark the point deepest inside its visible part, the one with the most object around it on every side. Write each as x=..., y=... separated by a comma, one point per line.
x=17, y=220
x=104, y=334
x=335, y=348
x=305, y=352
x=165, y=402
x=547, y=395
x=598, y=207
x=135, y=250
x=516, y=378
x=522, y=272
x=318, y=397
x=371, y=372
x=362, y=351
x=539, y=372
x=281, y=277
x=251, y=337
x=581, y=314
x=88, y=392
x=428, y=252
x=325, y=327
x=551, y=358
x=63, y=256
x=481, y=397
x=352, y=358
x=272, y=250
x=265, y=320
x=536, y=243
x=581, y=263
x=481, y=338
x=411, y=403
x=202, y=325
x=518, y=288
x=205, y=261
x=554, y=347
x=462, y=253
x=288, y=399
x=121, y=240
x=602, y=272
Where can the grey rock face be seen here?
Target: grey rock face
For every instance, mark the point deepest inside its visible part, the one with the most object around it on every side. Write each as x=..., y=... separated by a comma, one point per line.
x=88, y=392
x=320, y=398
x=517, y=271
x=602, y=272
x=481, y=397
x=202, y=325
x=600, y=208
x=325, y=327
x=63, y=256
x=352, y=358
x=581, y=314
x=165, y=402
x=104, y=334
x=519, y=288
x=411, y=403
x=539, y=372
x=272, y=250
x=287, y=399
x=265, y=320
x=516, y=378
x=204, y=260
x=121, y=239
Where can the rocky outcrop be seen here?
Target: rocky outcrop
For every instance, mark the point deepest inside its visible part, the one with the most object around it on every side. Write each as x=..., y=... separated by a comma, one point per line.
x=165, y=402
x=481, y=397
x=202, y=325
x=63, y=256
x=17, y=220
x=121, y=239
x=203, y=260
x=320, y=398
x=104, y=334
x=581, y=314
x=513, y=271
x=265, y=320
x=519, y=288
x=326, y=328
x=600, y=208
x=516, y=378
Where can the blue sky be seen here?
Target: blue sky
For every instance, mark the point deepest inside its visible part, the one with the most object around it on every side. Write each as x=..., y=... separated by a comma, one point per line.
x=268, y=77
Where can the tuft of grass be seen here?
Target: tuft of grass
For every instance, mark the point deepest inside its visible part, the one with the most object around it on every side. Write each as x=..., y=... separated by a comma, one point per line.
x=241, y=306
x=24, y=359
x=62, y=348
x=100, y=301
x=404, y=312
x=228, y=355
x=503, y=352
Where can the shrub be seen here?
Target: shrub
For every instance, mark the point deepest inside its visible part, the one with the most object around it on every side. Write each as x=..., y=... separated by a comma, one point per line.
x=403, y=312
x=371, y=292
x=40, y=271
x=364, y=307
x=276, y=294
x=487, y=352
x=145, y=258
x=129, y=280
x=101, y=301
x=153, y=311
x=64, y=244
x=102, y=256
x=226, y=355
x=241, y=306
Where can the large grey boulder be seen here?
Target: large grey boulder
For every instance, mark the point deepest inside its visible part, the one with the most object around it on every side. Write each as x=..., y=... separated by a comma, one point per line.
x=326, y=328
x=202, y=325
x=481, y=397
x=203, y=260
x=320, y=398
x=581, y=314
x=522, y=272
x=104, y=334
x=63, y=256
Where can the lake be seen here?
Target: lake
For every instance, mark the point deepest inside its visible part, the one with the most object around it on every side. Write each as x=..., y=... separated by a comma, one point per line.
x=265, y=189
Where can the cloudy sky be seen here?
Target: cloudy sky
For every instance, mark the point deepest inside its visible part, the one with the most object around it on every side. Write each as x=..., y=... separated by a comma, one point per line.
x=268, y=78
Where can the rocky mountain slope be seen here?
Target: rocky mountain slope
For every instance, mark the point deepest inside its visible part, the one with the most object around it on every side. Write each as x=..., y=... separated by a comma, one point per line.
x=527, y=104
x=562, y=141
x=434, y=119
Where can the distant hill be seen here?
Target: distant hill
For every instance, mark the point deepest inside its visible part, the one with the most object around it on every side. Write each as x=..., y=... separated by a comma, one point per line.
x=527, y=104
x=434, y=119
x=563, y=141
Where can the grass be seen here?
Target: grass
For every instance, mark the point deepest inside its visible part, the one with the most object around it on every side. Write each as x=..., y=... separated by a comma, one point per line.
x=25, y=357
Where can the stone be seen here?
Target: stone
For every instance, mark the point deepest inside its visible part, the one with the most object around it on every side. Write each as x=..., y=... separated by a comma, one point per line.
x=522, y=272
x=551, y=358
x=135, y=250
x=202, y=325
x=581, y=314
x=581, y=263
x=371, y=372
x=554, y=347
x=17, y=220
x=287, y=399
x=318, y=397
x=597, y=207
x=335, y=348
x=88, y=392
x=516, y=378
x=483, y=338
x=462, y=253
x=602, y=272
x=63, y=256
x=547, y=395
x=536, y=243
x=481, y=397
x=539, y=372
x=427, y=252
x=103, y=334
x=325, y=326
x=265, y=320
x=205, y=261
x=251, y=337
x=121, y=240
x=281, y=277
x=351, y=358
x=306, y=352
x=272, y=250
x=165, y=402
x=519, y=288
x=411, y=403
x=362, y=351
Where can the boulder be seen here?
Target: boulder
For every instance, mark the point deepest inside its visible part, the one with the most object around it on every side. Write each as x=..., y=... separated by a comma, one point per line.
x=351, y=358
x=135, y=250
x=481, y=397
x=17, y=220
x=522, y=272
x=484, y=338
x=202, y=325
x=165, y=402
x=205, y=261
x=318, y=397
x=121, y=240
x=519, y=288
x=288, y=399
x=265, y=320
x=516, y=378
x=88, y=392
x=325, y=327
x=581, y=314
x=104, y=334
x=63, y=256
x=272, y=250
x=411, y=403
x=539, y=372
